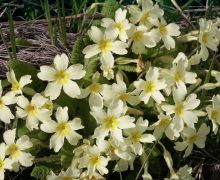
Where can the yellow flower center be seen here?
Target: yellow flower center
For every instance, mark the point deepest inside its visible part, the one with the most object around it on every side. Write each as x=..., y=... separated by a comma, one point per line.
x=178, y=76
x=113, y=149
x=205, y=37
x=63, y=128
x=135, y=136
x=123, y=96
x=31, y=109
x=95, y=88
x=1, y=164
x=119, y=26
x=16, y=86
x=1, y=102
x=214, y=114
x=164, y=122
x=13, y=150
x=105, y=45
x=144, y=17
x=162, y=29
x=179, y=109
x=150, y=87
x=138, y=35
x=62, y=77
x=110, y=122
x=95, y=160
x=48, y=105
x=192, y=139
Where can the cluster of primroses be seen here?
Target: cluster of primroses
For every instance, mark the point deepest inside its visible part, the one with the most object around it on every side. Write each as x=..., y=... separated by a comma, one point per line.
x=122, y=133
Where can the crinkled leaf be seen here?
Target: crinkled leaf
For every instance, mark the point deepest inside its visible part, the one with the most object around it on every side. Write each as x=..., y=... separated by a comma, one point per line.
x=40, y=172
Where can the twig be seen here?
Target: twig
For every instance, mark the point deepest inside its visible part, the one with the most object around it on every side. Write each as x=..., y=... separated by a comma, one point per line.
x=182, y=13
x=3, y=12
x=5, y=43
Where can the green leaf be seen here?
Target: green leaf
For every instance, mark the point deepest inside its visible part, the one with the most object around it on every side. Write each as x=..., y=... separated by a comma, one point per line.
x=109, y=8
x=29, y=91
x=64, y=100
x=77, y=56
x=5, y=83
x=40, y=172
x=22, y=43
x=87, y=120
x=91, y=66
x=21, y=127
x=127, y=68
x=22, y=68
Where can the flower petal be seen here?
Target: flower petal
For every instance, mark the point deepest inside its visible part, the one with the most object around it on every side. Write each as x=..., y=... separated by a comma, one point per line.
x=95, y=34
x=119, y=47
x=53, y=90
x=24, y=80
x=9, y=136
x=91, y=50
x=61, y=62
x=76, y=124
x=76, y=71
x=5, y=114
x=38, y=100
x=46, y=73
x=56, y=142
x=71, y=89
x=73, y=138
x=48, y=126
x=62, y=114
x=26, y=159
x=24, y=142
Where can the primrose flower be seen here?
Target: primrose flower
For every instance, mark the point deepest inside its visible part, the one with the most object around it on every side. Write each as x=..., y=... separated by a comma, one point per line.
x=178, y=75
x=190, y=137
x=140, y=38
x=124, y=165
x=17, y=86
x=184, y=172
x=62, y=129
x=136, y=136
x=108, y=72
x=61, y=76
x=151, y=87
x=183, y=109
x=214, y=112
x=106, y=43
x=5, y=163
x=164, y=125
x=114, y=150
x=48, y=105
x=32, y=111
x=111, y=122
x=17, y=149
x=93, y=160
x=165, y=32
x=119, y=26
x=5, y=100
x=207, y=37
x=118, y=91
x=148, y=16
x=94, y=92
